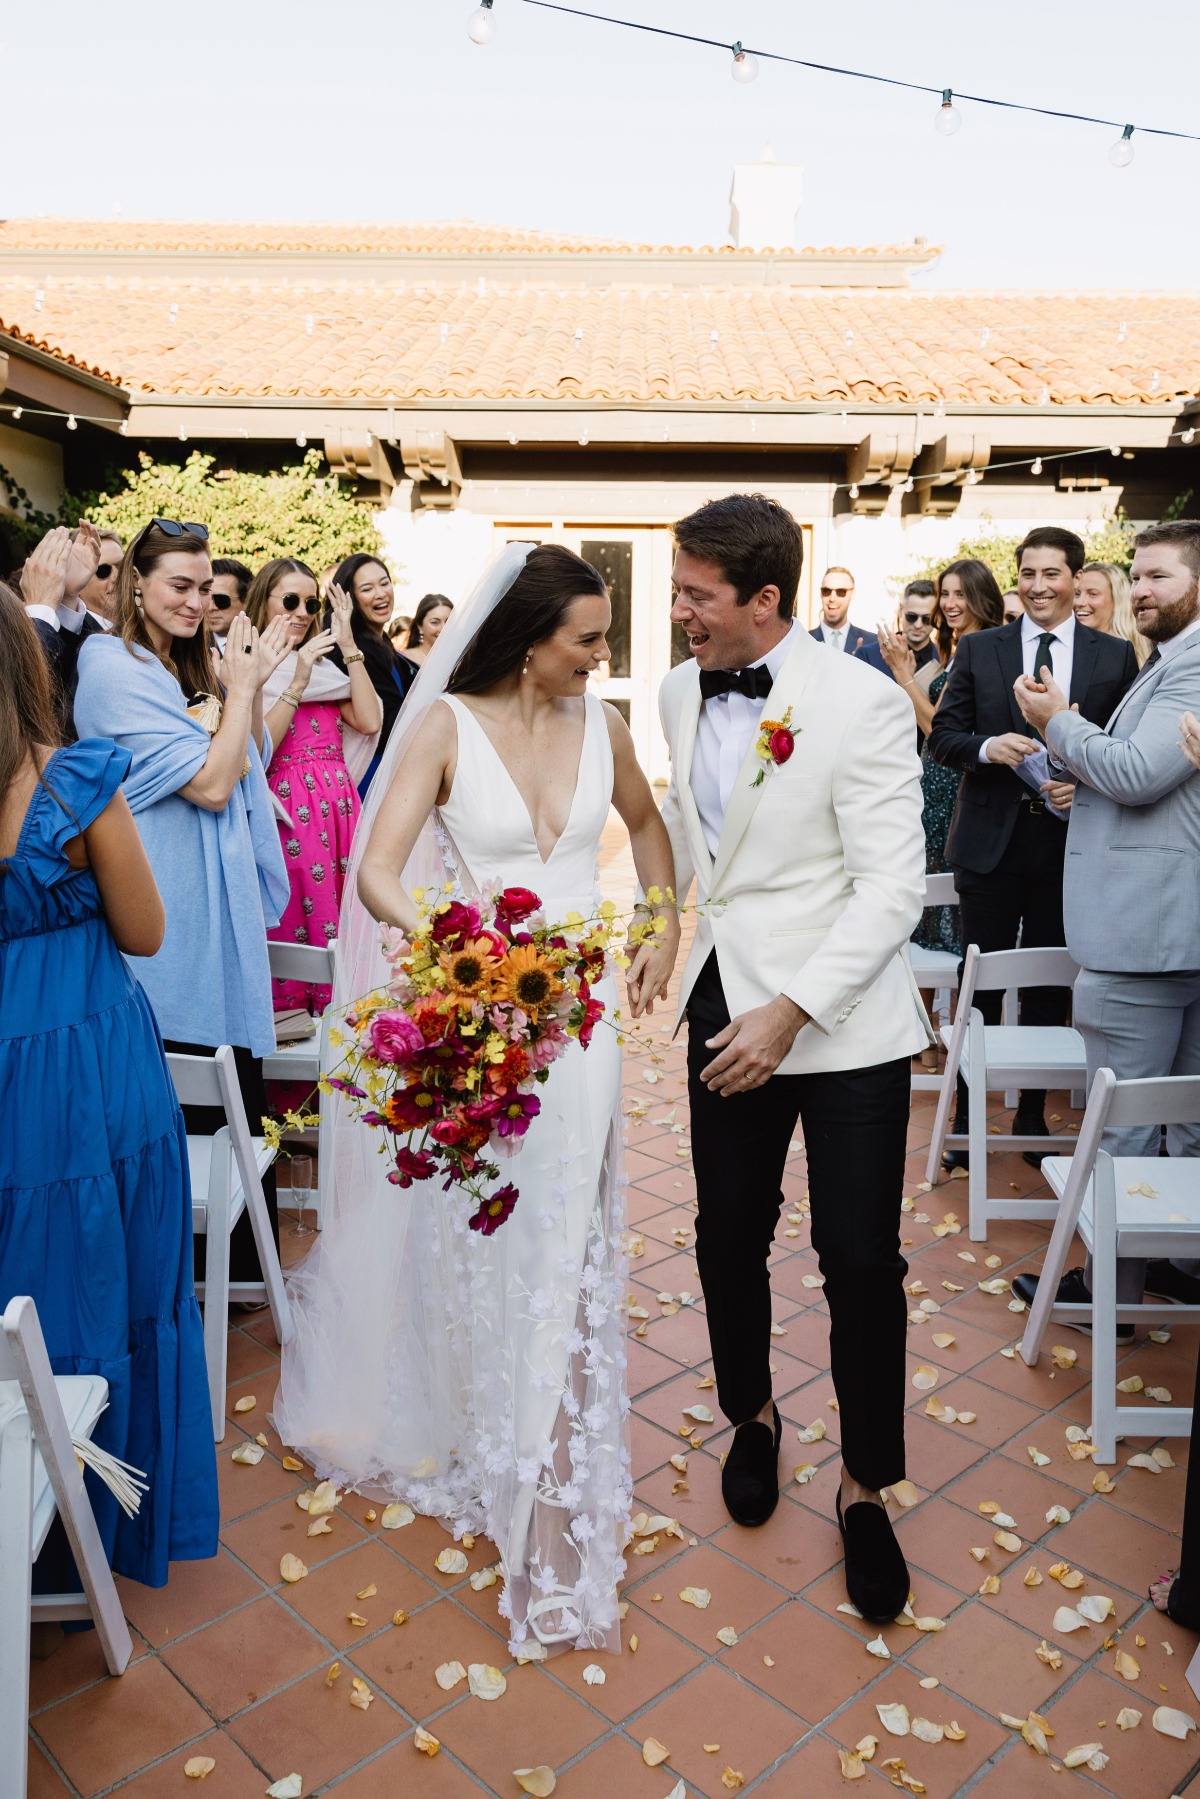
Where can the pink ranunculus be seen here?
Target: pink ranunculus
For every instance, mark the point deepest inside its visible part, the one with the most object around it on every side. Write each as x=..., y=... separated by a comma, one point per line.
x=447, y=1131
x=393, y=1037
x=782, y=744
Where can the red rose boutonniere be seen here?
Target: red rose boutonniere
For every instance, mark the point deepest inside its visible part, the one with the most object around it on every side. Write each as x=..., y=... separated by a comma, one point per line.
x=776, y=741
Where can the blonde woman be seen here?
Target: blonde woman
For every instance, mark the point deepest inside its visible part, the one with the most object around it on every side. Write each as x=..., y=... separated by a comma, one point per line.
x=1102, y=601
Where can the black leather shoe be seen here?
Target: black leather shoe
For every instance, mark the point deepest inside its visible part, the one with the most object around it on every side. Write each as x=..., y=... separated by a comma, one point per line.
x=1073, y=1290
x=750, y=1477
x=1031, y=1127
x=1165, y=1281
x=955, y=1158
x=876, y=1572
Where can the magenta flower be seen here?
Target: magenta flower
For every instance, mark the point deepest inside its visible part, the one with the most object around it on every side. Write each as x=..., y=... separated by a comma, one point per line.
x=412, y=1165
x=517, y=1112
x=494, y=1210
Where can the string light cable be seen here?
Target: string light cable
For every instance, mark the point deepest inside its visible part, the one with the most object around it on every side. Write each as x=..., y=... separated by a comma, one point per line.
x=745, y=63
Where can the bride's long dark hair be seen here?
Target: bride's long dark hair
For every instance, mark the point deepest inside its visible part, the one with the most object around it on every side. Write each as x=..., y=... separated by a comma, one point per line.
x=532, y=610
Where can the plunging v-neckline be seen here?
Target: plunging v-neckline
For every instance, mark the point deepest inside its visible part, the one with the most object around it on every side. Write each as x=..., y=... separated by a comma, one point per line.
x=537, y=848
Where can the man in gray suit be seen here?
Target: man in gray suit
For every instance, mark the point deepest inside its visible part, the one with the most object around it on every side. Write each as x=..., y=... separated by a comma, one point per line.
x=1131, y=884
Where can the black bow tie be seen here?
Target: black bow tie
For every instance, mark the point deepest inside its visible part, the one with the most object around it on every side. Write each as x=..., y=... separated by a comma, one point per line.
x=755, y=683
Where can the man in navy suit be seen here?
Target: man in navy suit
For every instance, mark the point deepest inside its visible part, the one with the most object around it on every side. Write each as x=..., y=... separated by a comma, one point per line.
x=835, y=629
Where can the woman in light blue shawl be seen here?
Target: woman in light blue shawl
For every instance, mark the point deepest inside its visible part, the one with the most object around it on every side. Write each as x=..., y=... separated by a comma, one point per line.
x=197, y=790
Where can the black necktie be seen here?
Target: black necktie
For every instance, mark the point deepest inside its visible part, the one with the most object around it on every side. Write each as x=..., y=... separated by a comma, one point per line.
x=1042, y=657
x=1154, y=656
x=755, y=683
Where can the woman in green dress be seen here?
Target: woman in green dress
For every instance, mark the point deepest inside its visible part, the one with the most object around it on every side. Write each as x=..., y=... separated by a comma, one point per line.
x=967, y=599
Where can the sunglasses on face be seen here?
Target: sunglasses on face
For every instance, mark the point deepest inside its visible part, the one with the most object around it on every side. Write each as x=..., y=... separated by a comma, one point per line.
x=290, y=601
x=103, y=571
x=916, y=618
x=221, y=601
x=841, y=592
x=173, y=528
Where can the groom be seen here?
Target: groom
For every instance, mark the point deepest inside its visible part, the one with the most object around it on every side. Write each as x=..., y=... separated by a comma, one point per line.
x=808, y=858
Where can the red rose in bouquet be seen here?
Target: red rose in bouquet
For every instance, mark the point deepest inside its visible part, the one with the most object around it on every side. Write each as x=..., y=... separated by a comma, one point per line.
x=394, y=1038
x=514, y=905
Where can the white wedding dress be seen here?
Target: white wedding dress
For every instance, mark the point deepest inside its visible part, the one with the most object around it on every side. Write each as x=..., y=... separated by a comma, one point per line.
x=482, y=1379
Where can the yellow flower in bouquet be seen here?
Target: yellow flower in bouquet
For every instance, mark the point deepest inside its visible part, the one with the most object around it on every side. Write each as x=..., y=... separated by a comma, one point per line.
x=529, y=979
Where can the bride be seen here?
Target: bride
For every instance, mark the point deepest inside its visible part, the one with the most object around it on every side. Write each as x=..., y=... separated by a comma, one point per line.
x=481, y=1378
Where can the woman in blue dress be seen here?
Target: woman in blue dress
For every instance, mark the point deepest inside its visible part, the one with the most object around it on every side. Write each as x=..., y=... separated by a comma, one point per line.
x=95, y=1202
x=197, y=790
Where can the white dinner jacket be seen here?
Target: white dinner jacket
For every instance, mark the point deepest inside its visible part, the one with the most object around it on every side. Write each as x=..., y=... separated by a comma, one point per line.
x=819, y=876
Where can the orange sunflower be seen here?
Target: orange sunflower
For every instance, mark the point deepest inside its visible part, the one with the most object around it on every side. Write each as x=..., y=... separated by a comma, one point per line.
x=528, y=979
x=471, y=969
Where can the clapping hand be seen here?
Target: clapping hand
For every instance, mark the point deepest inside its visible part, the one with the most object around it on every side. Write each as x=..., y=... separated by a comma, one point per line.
x=896, y=653
x=240, y=666
x=1189, y=724
x=83, y=559
x=1040, y=700
x=274, y=646
x=44, y=576
x=341, y=612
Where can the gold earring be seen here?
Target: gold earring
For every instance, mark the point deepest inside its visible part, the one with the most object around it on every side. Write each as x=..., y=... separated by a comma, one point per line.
x=137, y=600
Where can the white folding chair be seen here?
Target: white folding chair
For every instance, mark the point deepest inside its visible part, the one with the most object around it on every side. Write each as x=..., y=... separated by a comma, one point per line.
x=40, y=1477
x=1140, y=1206
x=994, y=1057
x=304, y=1061
x=934, y=969
x=227, y=1171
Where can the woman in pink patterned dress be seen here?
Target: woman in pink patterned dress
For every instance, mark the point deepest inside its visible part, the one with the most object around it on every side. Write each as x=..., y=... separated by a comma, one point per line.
x=323, y=724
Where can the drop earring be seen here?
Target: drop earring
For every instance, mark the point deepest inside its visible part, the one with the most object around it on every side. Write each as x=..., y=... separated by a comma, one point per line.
x=525, y=669
x=138, y=602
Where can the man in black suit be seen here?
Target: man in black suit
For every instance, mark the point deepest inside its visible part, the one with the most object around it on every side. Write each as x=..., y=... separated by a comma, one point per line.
x=835, y=629
x=53, y=577
x=1005, y=846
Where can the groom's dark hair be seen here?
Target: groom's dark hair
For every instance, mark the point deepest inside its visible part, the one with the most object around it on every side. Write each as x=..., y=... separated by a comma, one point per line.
x=754, y=541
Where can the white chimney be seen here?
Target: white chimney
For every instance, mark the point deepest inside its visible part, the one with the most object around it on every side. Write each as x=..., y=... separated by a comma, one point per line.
x=763, y=202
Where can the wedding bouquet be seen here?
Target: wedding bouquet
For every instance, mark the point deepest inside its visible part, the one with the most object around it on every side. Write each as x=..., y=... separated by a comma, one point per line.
x=446, y=1059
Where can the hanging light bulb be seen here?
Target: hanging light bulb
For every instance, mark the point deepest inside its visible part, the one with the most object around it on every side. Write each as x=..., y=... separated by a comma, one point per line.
x=1035, y=467
x=744, y=67
x=584, y=440
x=301, y=441
x=123, y=428
x=1114, y=449
x=182, y=434
x=1184, y=436
x=481, y=26
x=854, y=490
x=949, y=118
x=71, y=425
x=16, y=412
x=1121, y=154
x=908, y=486
x=1155, y=382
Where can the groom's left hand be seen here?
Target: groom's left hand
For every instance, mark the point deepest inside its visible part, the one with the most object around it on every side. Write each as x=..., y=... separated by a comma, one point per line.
x=752, y=1046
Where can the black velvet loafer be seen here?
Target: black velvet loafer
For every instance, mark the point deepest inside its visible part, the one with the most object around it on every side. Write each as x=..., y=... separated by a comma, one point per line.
x=876, y=1572
x=750, y=1477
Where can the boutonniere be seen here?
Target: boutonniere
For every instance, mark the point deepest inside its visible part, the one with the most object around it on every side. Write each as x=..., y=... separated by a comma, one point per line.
x=776, y=741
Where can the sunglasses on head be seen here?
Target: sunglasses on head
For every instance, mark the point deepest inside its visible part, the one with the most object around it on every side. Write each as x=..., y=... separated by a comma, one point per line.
x=290, y=601
x=841, y=592
x=173, y=528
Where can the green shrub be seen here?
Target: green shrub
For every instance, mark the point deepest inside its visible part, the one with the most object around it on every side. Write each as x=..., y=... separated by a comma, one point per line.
x=296, y=511
x=1109, y=541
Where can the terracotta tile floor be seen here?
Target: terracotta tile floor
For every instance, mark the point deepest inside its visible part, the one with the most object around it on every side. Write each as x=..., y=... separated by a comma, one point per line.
x=231, y=1663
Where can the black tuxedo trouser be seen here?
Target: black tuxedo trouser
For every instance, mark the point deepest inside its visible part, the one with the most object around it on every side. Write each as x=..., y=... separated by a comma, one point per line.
x=855, y=1130
x=1023, y=896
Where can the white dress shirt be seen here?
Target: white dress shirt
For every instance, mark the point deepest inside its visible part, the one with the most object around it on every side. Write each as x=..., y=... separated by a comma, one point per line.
x=727, y=726
x=1062, y=657
x=67, y=618
x=1179, y=642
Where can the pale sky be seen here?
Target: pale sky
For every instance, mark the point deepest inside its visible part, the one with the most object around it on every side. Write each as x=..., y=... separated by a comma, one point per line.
x=384, y=110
